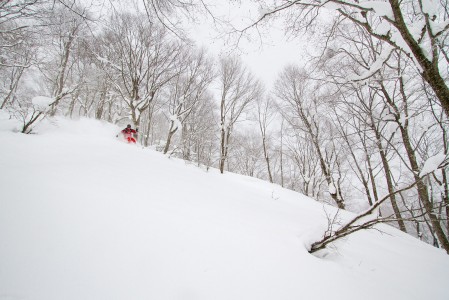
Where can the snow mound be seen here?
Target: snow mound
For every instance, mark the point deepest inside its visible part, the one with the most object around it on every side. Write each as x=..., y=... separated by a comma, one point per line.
x=81, y=127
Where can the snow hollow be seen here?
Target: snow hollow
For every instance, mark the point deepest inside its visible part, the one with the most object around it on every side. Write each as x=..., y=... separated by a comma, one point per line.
x=84, y=216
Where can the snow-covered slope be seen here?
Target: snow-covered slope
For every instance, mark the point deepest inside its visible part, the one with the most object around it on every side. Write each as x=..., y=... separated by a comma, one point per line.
x=84, y=216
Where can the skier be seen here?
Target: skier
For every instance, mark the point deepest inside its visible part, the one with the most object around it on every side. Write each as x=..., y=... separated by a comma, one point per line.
x=128, y=134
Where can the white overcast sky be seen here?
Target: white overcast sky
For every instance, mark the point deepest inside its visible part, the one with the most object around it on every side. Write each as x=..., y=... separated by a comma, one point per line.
x=265, y=54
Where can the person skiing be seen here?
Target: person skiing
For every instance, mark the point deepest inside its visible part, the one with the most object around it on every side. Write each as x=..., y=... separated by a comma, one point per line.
x=128, y=134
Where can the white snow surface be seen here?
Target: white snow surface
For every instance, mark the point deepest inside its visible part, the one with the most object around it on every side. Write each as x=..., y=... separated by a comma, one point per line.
x=84, y=216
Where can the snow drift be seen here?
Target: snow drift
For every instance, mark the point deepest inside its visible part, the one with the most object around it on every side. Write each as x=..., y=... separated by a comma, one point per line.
x=84, y=216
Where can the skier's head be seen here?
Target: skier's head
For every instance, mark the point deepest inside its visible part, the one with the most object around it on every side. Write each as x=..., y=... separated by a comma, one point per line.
x=128, y=126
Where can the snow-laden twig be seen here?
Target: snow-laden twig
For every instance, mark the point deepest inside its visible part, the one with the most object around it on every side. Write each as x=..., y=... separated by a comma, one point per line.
x=375, y=67
x=433, y=163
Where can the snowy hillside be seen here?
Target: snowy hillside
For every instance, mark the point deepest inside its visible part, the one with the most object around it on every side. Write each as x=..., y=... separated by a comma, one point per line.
x=84, y=216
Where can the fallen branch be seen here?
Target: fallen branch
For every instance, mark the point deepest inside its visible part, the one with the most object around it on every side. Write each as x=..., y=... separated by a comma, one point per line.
x=351, y=226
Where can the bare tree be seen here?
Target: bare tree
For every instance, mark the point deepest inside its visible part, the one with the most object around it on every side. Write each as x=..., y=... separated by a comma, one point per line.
x=400, y=104
x=365, y=220
x=346, y=133
x=369, y=108
x=245, y=155
x=386, y=98
x=265, y=115
x=187, y=89
x=300, y=103
x=167, y=13
x=44, y=36
x=63, y=27
x=141, y=60
x=281, y=153
x=18, y=52
x=199, y=132
x=11, y=11
x=17, y=45
x=390, y=23
x=301, y=154
x=443, y=180
x=238, y=89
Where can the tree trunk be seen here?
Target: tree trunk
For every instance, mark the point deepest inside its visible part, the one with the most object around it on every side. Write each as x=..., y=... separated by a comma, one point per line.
x=171, y=132
x=100, y=108
x=421, y=187
x=281, y=154
x=267, y=160
x=424, y=194
x=33, y=119
x=186, y=144
x=358, y=167
x=15, y=78
x=327, y=176
x=223, y=149
x=60, y=80
x=390, y=185
x=430, y=71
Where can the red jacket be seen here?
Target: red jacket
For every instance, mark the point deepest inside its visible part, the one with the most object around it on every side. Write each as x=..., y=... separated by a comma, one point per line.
x=128, y=131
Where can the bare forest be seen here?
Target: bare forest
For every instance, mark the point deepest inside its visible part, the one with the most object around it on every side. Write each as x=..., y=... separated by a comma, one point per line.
x=353, y=127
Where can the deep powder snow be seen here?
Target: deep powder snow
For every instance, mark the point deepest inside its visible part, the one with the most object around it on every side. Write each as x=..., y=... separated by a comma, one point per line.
x=85, y=216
